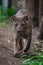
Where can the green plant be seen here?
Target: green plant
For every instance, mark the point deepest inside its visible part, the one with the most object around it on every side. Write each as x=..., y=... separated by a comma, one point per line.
x=34, y=60
x=11, y=11
x=2, y=16
x=6, y=23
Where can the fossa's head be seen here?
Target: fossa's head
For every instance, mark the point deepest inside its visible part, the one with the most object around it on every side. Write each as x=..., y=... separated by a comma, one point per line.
x=20, y=20
x=20, y=23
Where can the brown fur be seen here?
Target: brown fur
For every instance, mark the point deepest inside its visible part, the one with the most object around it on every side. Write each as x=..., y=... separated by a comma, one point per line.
x=23, y=30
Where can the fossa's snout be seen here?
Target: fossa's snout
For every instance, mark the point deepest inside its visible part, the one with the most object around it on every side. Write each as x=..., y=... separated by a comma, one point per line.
x=19, y=28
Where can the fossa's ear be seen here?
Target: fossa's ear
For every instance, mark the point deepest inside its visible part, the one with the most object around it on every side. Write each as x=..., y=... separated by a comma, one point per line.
x=25, y=18
x=14, y=18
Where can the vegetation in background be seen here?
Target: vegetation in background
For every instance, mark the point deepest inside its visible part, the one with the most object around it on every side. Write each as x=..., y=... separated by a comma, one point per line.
x=11, y=11
x=4, y=17
x=6, y=23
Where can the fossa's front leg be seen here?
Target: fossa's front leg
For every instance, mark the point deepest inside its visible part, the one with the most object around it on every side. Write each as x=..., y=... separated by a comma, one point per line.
x=28, y=42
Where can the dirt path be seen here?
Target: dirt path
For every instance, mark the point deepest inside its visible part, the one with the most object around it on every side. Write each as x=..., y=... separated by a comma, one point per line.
x=6, y=51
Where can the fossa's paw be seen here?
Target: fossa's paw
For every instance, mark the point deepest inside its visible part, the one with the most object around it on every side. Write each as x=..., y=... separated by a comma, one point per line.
x=17, y=55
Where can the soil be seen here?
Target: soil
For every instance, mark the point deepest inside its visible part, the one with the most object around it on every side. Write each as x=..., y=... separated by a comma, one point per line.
x=6, y=48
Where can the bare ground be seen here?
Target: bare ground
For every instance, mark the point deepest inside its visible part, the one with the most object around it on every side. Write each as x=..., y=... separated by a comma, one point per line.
x=6, y=41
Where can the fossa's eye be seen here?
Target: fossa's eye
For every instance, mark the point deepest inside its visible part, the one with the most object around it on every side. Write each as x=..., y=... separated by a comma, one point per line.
x=25, y=19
